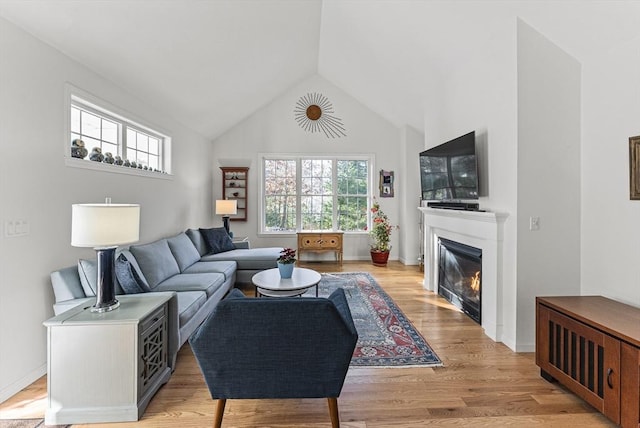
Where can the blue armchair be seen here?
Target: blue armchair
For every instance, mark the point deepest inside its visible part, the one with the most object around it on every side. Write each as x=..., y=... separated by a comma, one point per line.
x=291, y=347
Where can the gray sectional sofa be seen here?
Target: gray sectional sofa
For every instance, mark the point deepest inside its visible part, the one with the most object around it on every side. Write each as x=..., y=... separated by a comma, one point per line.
x=182, y=264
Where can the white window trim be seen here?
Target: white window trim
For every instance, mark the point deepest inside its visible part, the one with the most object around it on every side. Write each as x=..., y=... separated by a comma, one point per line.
x=370, y=157
x=74, y=93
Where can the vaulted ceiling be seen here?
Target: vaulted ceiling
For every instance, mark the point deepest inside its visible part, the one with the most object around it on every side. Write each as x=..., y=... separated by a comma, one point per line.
x=211, y=63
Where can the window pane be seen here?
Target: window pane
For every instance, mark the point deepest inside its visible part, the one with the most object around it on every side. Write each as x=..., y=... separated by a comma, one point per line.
x=153, y=162
x=352, y=213
x=280, y=213
x=90, y=143
x=111, y=148
x=131, y=138
x=153, y=145
x=75, y=120
x=109, y=131
x=142, y=142
x=90, y=125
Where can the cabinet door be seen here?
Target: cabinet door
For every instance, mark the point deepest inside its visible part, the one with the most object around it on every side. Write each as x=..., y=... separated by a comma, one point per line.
x=582, y=358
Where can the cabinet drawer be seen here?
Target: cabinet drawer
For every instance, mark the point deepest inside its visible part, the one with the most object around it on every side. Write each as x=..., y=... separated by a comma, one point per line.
x=325, y=241
x=152, y=319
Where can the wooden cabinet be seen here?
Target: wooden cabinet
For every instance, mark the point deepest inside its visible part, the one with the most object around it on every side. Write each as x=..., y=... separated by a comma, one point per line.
x=320, y=242
x=106, y=367
x=235, y=186
x=591, y=345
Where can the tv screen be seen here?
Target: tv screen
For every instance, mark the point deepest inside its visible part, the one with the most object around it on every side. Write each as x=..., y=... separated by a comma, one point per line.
x=449, y=172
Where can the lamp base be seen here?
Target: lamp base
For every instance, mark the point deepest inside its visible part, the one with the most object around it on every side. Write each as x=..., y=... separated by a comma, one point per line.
x=105, y=307
x=105, y=288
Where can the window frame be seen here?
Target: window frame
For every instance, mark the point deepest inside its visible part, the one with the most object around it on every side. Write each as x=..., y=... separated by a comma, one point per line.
x=75, y=97
x=369, y=157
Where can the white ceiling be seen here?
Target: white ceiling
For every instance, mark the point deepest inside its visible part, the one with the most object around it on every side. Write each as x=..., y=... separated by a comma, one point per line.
x=211, y=63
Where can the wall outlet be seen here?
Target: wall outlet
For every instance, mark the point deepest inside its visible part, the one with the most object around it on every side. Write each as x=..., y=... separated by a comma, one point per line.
x=534, y=223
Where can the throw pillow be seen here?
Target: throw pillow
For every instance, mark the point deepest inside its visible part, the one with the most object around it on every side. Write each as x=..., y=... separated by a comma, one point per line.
x=128, y=278
x=217, y=239
x=88, y=273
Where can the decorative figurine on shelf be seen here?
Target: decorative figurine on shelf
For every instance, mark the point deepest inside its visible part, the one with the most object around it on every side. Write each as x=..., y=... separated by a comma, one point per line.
x=96, y=155
x=145, y=168
x=118, y=160
x=139, y=166
x=108, y=158
x=133, y=164
x=77, y=149
x=126, y=163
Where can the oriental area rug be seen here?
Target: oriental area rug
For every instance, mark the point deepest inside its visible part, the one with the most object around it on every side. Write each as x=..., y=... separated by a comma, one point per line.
x=386, y=337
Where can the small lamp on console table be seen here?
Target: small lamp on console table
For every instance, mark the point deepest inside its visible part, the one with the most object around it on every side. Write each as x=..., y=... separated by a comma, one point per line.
x=225, y=208
x=104, y=227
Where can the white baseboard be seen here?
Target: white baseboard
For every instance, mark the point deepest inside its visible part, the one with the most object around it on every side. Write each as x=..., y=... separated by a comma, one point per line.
x=17, y=386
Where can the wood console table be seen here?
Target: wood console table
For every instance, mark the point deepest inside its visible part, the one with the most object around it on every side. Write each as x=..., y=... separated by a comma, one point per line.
x=591, y=345
x=320, y=242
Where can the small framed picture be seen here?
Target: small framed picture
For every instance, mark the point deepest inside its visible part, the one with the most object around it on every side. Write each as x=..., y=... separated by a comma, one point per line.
x=634, y=168
x=386, y=184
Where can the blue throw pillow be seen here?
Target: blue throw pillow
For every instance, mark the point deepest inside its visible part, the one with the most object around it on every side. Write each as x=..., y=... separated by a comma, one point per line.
x=217, y=239
x=128, y=278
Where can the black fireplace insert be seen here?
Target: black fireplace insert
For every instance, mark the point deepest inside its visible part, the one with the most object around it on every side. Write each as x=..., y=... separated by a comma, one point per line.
x=460, y=276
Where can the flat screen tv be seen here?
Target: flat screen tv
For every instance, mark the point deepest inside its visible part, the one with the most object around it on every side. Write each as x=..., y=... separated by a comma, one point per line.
x=449, y=172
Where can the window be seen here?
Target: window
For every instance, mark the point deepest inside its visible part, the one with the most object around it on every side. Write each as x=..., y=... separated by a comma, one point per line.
x=125, y=139
x=315, y=193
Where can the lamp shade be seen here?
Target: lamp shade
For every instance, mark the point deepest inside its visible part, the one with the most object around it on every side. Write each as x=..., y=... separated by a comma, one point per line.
x=104, y=225
x=226, y=207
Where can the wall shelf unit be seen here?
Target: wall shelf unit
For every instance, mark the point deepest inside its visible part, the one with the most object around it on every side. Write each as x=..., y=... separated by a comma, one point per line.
x=235, y=187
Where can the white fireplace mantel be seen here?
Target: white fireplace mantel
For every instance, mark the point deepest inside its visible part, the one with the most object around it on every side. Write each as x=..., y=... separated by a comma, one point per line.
x=483, y=230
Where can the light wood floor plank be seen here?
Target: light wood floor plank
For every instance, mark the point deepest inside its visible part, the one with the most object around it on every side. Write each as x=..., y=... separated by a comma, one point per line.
x=483, y=384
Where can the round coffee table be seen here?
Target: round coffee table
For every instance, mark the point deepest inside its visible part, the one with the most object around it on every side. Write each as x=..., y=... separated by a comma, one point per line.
x=268, y=282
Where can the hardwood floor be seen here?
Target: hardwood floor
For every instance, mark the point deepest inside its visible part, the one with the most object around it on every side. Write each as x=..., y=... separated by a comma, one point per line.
x=482, y=383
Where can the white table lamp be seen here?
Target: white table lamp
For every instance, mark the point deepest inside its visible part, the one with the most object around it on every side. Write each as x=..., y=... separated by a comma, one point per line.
x=104, y=227
x=225, y=208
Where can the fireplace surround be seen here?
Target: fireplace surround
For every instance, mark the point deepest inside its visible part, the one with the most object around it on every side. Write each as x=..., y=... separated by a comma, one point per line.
x=482, y=230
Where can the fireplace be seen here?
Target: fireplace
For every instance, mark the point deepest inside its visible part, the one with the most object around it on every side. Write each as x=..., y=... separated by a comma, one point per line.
x=460, y=276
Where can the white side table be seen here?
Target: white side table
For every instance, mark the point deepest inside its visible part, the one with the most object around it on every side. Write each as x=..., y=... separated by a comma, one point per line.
x=106, y=367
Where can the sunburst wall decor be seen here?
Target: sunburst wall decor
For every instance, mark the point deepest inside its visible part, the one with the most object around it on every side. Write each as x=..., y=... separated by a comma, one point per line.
x=314, y=113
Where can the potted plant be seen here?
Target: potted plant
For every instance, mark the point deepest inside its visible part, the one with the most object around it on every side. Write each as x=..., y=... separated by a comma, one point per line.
x=381, y=235
x=286, y=261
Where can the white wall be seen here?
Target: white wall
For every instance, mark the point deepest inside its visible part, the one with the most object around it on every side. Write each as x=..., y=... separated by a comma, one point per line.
x=548, y=176
x=408, y=181
x=37, y=187
x=480, y=94
x=273, y=129
x=610, y=221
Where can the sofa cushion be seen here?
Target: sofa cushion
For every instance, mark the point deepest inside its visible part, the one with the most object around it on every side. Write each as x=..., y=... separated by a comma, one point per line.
x=88, y=272
x=227, y=267
x=183, y=250
x=189, y=302
x=198, y=241
x=253, y=259
x=217, y=240
x=128, y=278
x=207, y=282
x=134, y=267
x=156, y=261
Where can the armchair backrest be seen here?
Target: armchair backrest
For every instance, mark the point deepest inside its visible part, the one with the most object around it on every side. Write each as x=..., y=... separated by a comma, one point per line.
x=295, y=347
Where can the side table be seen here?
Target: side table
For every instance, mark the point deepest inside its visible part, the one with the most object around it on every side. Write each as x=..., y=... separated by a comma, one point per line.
x=106, y=367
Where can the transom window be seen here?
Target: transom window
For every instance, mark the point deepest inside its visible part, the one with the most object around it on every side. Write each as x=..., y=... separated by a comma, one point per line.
x=117, y=135
x=315, y=193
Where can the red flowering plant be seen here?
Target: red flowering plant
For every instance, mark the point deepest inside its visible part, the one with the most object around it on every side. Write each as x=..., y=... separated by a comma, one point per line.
x=287, y=256
x=381, y=229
